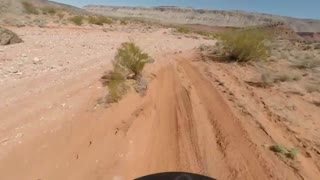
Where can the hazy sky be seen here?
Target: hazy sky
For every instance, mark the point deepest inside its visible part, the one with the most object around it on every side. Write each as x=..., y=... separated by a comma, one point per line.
x=294, y=8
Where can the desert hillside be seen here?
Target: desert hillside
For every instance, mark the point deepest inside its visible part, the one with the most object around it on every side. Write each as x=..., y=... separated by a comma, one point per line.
x=205, y=17
x=13, y=12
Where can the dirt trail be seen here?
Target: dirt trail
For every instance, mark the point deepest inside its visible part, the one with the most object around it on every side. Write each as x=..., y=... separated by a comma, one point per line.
x=183, y=124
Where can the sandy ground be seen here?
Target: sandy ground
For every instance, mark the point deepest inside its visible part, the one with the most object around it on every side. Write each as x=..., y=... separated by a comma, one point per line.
x=196, y=117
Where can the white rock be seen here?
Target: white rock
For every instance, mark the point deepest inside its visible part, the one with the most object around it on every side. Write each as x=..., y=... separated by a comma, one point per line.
x=24, y=55
x=36, y=60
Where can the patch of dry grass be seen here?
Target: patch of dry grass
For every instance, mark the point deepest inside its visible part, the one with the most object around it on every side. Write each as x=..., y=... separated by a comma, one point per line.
x=99, y=20
x=308, y=62
x=183, y=30
x=77, y=20
x=49, y=10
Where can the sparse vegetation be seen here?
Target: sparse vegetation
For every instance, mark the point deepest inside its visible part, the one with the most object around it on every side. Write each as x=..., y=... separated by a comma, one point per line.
x=77, y=20
x=292, y=154
x=283, y=77
x=40, y=23
x=317, y=46
x=100, y=20
x=30, y=8
x=307, y=63
x=61, y=15
x=123, y=22
x=268, y=79
x=282, y=150
x=117, y=87
x=49, y=10
x=131, y=58
x=183, y=30
x=312, y=88
x=128, y=64
x=207, y=34
x=245, y=45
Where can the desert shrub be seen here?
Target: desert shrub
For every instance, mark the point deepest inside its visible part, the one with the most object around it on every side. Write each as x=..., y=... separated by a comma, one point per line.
x=123, y=22
x=307, y=63
x=317, y=46
x=183, y=30
x=30, y=8
x=40, y=23
x=207, y=34
x=130, y=57
x=77, y=20
x=116, y=85
x=282, y=150
x=245, y=45
x=312, y=88
x=49, y=10
x=61, y=15
x=292, y=154
x=128, y=63
x=278, y=149
x=100, y=20
x=283, y=77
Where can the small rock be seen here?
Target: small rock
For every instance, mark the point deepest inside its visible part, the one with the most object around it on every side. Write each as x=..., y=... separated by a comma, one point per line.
x=141, y=86
x=24, y=55
x=36, y=60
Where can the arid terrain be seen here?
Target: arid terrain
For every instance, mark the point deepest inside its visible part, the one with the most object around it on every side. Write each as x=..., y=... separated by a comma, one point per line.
x=226, y=120
x=180, y=15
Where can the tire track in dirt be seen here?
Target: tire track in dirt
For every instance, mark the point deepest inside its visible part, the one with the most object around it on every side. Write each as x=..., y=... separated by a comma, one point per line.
x=180, y=98
x=239, y=153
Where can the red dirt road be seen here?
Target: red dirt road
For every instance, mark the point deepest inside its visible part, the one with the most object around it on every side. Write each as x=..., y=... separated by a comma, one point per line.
x=183, y=124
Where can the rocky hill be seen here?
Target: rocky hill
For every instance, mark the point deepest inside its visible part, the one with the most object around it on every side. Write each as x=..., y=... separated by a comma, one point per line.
x=177, y=15
x=14, y=12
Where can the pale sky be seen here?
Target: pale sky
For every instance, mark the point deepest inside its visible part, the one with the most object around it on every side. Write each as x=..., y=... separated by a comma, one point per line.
x=293, y=8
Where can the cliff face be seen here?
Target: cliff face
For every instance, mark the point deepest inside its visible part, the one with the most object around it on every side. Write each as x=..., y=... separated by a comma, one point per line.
x=206, y=17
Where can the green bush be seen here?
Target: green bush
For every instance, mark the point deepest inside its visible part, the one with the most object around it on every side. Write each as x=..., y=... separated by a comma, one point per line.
x=49, y=10
x=129, y=63
x=130, y=57
x=77, y=20
x=100, y=20
x=245, y=45
x=29, y=8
